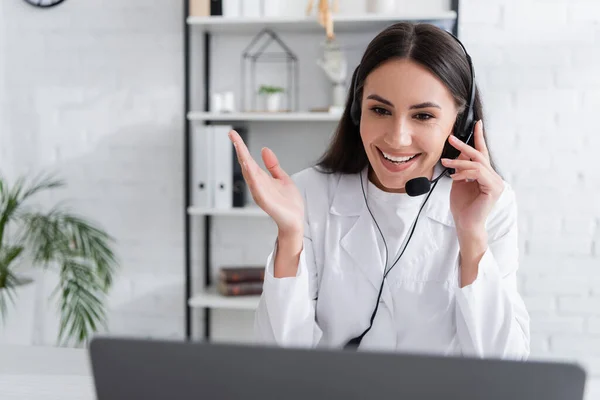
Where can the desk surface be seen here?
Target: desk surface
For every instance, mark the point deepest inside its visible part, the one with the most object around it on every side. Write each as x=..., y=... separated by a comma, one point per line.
x=45, y=373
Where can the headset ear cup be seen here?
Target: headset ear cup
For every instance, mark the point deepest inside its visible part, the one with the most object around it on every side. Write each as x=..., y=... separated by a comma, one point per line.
x=450, y=151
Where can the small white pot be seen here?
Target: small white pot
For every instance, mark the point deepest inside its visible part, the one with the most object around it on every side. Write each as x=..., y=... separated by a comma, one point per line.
x=273, y=102
x=18, y=325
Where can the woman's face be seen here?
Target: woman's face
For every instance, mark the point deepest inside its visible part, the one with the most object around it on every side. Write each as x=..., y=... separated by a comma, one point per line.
x=407, y=114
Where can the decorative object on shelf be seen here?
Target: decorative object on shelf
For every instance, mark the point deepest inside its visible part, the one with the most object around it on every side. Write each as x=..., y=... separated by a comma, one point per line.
x=44, y=3
x=199, y=8
x=241, y=281
x=324, y=15
x=271, y=96
x=223, y=102
x=228, y=102
x=57, y=240
x=381, y=6
x=335, y=65
x=266, y=48
x=216, y=102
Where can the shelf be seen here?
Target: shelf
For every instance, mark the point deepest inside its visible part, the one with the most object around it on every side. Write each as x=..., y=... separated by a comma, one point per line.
x=210, y=298
x=264, y=116
x=231, y=212
x=341, y=23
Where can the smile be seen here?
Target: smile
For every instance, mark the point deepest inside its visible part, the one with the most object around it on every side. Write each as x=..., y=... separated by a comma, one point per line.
x=397, y=163
x=398, y=159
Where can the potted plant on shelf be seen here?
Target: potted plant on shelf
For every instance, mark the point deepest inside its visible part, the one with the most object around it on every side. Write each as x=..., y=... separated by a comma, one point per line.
x=272, y=96
x=57, y=239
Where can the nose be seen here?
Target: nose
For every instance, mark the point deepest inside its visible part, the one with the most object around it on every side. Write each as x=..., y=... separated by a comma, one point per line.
x=400, y=135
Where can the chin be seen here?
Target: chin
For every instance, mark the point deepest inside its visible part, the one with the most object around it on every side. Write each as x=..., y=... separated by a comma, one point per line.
x=394, y=177
x=391, y=181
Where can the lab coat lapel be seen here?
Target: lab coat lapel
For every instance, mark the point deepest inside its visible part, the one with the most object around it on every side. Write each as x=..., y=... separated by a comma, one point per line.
x=361, y=241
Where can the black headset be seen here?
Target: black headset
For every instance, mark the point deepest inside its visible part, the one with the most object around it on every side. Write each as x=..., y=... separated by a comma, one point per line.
x=463, y=130
x=464, y=125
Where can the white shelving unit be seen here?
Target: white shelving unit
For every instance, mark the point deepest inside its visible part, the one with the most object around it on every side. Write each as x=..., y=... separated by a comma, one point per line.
x=228, y=212
x=342, y=23
x=208, y=297
x=263, y=116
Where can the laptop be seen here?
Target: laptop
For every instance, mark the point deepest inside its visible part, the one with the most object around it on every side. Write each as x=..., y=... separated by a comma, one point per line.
x=149, y=369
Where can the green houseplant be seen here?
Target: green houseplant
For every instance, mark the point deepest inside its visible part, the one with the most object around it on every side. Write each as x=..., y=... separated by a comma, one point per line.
x=273, y=96
x=77, y=249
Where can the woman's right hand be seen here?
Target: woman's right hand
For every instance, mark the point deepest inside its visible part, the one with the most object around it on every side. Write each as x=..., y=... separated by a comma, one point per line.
x=276, y=194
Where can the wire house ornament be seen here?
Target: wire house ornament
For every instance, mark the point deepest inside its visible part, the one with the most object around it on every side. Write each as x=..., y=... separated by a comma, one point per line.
x=257, y=52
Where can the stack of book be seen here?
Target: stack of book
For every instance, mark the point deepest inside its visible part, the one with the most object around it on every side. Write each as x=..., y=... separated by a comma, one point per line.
x=241, y=281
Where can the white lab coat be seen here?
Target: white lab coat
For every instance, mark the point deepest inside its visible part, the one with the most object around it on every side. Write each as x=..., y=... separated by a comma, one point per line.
x=422, y=309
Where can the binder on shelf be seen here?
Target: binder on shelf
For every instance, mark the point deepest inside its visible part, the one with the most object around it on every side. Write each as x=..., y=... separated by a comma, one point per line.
x=201, y=157
x=216, y=7
x=222, y=167
x=239, y=184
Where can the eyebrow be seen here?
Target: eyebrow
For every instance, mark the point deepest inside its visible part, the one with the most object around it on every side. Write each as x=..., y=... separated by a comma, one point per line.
x=380, y=99
x=427, y=104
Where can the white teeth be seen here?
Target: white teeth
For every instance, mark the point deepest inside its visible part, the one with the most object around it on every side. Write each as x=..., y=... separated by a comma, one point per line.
x=397, y=159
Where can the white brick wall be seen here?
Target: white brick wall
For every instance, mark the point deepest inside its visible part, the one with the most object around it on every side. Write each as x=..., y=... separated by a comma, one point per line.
x=548, y=69
x=95, y=89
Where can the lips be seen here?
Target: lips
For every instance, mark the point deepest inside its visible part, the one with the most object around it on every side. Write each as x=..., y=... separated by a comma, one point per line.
x=397, y=166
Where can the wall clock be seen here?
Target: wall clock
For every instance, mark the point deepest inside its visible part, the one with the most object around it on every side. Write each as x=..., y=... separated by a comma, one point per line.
x=44, y=3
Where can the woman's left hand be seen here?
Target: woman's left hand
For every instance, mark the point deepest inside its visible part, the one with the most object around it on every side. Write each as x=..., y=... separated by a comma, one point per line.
x=476, y=186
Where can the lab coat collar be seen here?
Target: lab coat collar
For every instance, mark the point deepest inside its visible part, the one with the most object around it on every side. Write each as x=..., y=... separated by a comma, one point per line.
x=349, y=199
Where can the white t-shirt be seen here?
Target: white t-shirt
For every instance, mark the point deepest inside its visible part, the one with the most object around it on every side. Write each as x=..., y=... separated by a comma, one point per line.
x=395, y=214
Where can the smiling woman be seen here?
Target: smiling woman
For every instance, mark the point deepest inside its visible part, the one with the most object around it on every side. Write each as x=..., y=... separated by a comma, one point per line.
x=344, y=224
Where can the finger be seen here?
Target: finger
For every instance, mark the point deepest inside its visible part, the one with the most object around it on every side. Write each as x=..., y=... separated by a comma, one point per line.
x=272, y=164
x=243, y=154
x=250, y=169
x=480, y=144
x=467, y=150
x=486, y=181
x=463, y=156
x=240, y=147
x=460, y=164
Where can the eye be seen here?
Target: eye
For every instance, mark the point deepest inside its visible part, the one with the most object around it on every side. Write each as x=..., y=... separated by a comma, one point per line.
x=380, y=111
x=423, y=116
